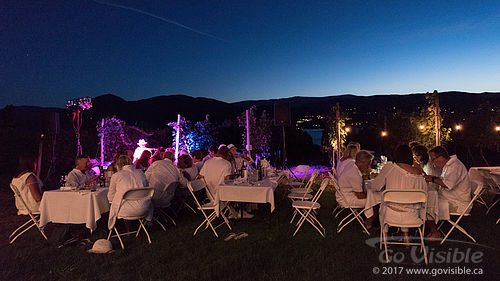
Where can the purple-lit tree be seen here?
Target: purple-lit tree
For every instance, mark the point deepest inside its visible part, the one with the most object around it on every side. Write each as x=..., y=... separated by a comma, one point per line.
x=260, y=131
x=194, y=136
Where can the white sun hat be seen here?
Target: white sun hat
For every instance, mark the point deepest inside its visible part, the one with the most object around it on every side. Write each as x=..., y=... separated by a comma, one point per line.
x=142, y=141
x=101, y=246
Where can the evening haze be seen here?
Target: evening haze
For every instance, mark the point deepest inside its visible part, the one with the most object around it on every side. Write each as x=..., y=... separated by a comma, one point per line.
x=52, y=51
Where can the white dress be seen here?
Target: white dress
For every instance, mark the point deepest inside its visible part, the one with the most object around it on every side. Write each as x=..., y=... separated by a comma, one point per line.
x=122, y=181
x=350, y=181
x=160, y=175
x=215, y=171
x=24, y=191
x=394, y=177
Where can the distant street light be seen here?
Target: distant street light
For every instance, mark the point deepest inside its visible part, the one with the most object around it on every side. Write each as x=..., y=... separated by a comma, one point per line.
x=458, y=127
x=383, y=133
x=348, y=129
x=497, y=128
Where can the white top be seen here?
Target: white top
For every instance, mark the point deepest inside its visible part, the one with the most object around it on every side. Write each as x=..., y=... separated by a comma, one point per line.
x=455, y=177
x=122, y=181
x=160, y=175
x=193, y=173
x=351, y=179
x=342, y=164
x=77, y=178
x=215, y=170
x=198, y=165
x=24, y=191
x=138, y=152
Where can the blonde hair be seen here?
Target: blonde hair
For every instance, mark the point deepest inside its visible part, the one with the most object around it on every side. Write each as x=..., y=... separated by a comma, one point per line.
x=350, y=151
x=122, y=161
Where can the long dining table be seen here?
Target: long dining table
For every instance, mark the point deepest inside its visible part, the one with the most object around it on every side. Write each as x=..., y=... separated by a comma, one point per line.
x=74, y=207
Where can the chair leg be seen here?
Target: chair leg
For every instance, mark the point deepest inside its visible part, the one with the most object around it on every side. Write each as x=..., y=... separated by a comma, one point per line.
x=491, y=206
x=162, y=226
x=26, y=229
x=143, y=227
x=225, y=220
x=385, y=246
x=339, y=212
x=119, y=238
x=301, y=221
x=422, y=246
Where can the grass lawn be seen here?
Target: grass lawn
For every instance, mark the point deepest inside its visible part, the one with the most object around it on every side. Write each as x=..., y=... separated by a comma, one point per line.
x=270, y=252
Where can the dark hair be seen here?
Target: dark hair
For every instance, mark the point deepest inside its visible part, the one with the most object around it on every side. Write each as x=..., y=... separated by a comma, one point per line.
x=225, y=153
x=198, y=154
x=80, y=157
x=412, y=144
x=169, y=155
x=420, y=150
x=403, y=154
x=26, y=164
x=440, y=151
x=184, y=161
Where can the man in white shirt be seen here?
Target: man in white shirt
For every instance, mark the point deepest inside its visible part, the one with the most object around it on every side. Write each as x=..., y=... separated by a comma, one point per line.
x=140, y=149
x=455, y=193
x=216, y=170
x=160, y=175
x=351, y=180
x=80, y=176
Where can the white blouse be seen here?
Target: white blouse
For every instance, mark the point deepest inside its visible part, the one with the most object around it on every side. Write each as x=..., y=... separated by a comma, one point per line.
x=23, y=188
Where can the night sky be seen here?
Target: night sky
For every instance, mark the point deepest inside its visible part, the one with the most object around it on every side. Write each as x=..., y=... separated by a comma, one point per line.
x=51, y=51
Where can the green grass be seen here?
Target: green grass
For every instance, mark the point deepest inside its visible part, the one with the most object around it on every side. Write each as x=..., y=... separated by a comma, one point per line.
x=270, y=252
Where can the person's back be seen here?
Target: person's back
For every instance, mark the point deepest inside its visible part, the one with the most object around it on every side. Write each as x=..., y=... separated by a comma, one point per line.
x=22, y=184
x=161, y=174
x=215, y=170
x=455, y=176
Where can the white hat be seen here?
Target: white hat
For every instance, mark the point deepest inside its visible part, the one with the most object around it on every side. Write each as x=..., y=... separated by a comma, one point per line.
x=142, y=141
x=231, y=146
x=101, y=246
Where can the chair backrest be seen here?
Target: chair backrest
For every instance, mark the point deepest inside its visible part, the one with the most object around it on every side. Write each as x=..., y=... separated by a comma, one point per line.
x=311, y=180
x=138, y=193
x=496, y=178
x=404, y=196
x=18, y=195
x=487, y=177
x=334, y=181
x=303, y=169
x=321, y=189
x=197, y=185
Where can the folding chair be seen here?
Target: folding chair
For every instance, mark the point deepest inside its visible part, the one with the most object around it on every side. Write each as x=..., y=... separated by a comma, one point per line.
x=298, y=192
x=169, y=190
x=403, y=196
x=212, y=205
x=493, y=182
x=132, y=195
x=466, y=212
x=354, y=215
x=305, y=209
x=26, y=226
x=302, y=169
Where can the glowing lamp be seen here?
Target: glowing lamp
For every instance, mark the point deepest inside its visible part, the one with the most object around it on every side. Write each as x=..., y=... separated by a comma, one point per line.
x=383, y=133
x=458, y=127
x=497, y=128
x=348, y=129
x=421, y=127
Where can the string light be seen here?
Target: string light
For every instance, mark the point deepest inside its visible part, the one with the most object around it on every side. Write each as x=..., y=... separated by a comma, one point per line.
x=458, y=127
x=383, y=133
x=421, y=127
x=348, y=129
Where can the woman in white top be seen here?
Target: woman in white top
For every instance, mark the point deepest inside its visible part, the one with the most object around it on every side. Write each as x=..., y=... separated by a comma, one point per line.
x=28, y=185
x=401, y=174
x=348, y=158
x=127, y=178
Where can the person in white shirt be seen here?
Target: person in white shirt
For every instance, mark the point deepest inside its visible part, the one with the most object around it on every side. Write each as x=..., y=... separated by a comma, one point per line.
x=28, y=185
x=127, y=178
x=160, y=175
x=216, y=170
x=140, y=149
x=351, y=180
x=455, y=188
x=401, y=174
x=80, y=175
x=347, y=158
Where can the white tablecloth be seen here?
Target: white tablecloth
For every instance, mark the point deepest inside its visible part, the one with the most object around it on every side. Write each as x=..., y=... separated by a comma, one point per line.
x=76, y=207
x=260, y=192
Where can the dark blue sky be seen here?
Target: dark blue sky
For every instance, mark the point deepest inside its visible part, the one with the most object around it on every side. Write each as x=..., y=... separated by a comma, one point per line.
x=51, y=51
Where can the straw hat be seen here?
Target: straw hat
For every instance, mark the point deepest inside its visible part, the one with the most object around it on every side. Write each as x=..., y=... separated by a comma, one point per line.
x=142, y=141
x=101, y=246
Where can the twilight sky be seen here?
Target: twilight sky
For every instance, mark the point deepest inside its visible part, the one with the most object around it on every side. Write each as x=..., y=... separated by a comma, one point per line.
x=51, y=51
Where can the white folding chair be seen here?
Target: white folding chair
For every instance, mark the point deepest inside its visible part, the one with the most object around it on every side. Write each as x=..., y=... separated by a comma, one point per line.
x=33, y=221
x=212, y=205
x=132, y=195
x=466, y=212
x=354, y=215
x=305, y=209
x=300, y=169
x=403, y=196
x=298, y=192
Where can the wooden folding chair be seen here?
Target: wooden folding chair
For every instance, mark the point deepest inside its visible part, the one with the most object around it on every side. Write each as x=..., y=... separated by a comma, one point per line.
x=132, y=195
x=403, y=196
x=33, y=221
x=305, y=209
x=212, y=205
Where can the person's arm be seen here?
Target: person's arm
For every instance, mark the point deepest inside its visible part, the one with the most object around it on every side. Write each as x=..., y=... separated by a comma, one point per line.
x=356, y=183
x=35, y=188
x=437, y=180
x=379, y=181
x=112, y=188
